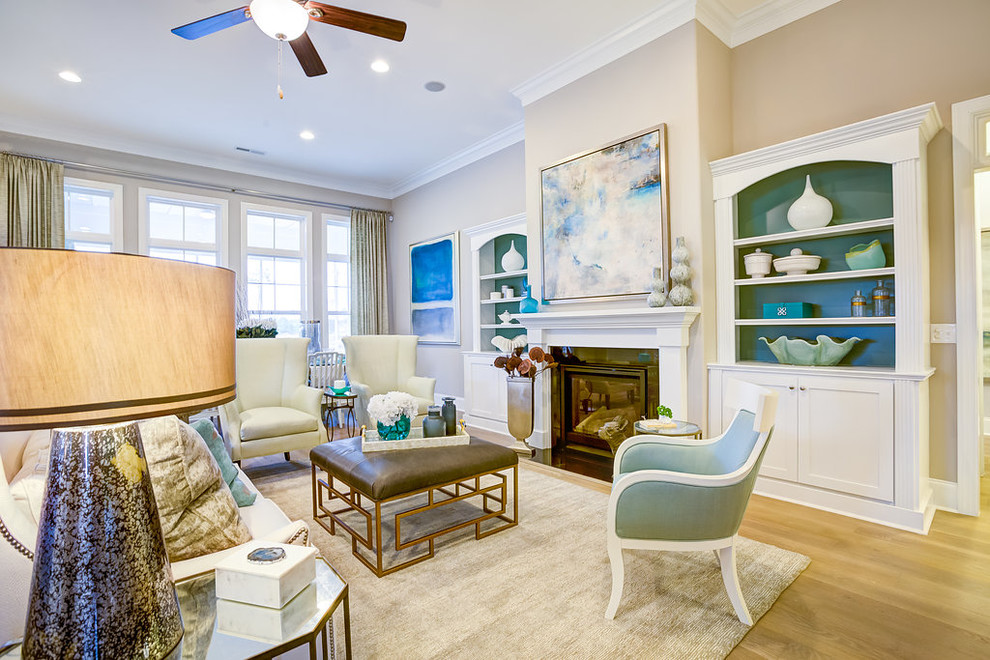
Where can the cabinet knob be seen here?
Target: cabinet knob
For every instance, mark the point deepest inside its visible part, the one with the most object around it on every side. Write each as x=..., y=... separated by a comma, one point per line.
x=803, y=388
x=790, y=387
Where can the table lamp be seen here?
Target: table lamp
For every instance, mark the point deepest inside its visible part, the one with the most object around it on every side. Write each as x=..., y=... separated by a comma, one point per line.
x=88, y=343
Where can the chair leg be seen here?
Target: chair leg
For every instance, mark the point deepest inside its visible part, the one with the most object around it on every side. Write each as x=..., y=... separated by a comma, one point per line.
x=286, y=454
x=618, y=576
x=727, y=557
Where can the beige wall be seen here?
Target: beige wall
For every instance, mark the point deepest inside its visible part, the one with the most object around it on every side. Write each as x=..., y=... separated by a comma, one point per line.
x=859, y=59
x=658, y=83
x=487, y=190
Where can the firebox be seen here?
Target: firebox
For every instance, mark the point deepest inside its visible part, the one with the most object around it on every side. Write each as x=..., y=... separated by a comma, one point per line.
x=599, y=394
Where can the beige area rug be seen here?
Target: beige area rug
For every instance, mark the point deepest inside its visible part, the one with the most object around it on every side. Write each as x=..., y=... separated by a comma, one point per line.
x=539, y=590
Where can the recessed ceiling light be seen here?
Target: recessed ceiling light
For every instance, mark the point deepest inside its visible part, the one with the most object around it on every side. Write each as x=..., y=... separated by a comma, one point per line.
x=380, y=66
x=307, y=135
x=69, y=76
x=435, y=86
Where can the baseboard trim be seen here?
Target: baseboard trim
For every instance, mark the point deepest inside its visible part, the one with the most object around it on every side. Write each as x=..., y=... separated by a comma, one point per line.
x=945, y=494
x=847, y=505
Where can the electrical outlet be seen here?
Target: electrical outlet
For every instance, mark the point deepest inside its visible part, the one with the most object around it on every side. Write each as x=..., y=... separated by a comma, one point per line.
x=943, y=333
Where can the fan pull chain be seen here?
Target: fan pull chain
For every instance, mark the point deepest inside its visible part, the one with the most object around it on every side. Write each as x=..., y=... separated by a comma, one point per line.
x=278, y=82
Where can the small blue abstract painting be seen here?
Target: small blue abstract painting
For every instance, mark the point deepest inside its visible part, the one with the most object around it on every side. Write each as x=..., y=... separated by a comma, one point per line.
x=605, y=220
x=433, y=277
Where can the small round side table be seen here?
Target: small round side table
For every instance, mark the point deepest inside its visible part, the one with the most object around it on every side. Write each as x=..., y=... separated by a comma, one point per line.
x=683, y=429
x=335, y=404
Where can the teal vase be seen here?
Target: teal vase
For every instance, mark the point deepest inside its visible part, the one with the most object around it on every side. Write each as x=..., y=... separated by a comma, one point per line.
x=397, y=431
x=528, y=305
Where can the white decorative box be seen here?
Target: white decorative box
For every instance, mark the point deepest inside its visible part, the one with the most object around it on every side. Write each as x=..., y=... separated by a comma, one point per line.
x=266, y=623
x=371, y=442
x=269, y=585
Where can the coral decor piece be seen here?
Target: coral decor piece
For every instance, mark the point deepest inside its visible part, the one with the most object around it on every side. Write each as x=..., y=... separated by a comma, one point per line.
x=517, y=364
x=680, y=274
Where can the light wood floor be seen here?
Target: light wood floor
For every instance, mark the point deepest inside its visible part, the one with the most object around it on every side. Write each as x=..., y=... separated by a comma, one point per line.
x=870, y=591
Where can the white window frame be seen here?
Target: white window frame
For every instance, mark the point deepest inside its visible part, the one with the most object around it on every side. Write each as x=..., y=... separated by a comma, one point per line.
x=324, y=310
x=116, y=235
x=304, y=250
x=144, y=231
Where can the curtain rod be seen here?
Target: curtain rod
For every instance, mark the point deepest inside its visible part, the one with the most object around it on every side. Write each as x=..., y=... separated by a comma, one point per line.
x=193, y=184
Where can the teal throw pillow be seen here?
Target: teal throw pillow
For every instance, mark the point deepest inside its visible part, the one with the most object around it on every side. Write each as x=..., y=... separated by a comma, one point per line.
x=228, y=471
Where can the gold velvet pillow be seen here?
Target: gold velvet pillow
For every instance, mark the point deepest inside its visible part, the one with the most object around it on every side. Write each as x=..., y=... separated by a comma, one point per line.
x=198, y=513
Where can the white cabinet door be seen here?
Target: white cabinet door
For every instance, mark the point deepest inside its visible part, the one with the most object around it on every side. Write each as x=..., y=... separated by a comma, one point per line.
x=781, y=458
x=485, y=388
x=847, y=435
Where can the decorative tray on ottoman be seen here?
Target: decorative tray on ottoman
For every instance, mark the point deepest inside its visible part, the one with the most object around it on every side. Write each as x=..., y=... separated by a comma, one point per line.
x=371, y=442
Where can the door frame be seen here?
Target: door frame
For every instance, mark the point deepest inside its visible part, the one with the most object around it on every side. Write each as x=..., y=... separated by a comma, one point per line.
x=967, y=117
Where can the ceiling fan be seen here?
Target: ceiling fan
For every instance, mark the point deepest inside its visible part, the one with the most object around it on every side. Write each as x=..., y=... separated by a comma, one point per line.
x=286, y=20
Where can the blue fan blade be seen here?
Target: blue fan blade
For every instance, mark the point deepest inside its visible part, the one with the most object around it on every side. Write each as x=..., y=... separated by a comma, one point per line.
x=206, y=26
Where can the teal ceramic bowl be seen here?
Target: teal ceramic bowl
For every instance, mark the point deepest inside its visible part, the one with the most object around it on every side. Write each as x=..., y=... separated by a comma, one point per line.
x=339, y=390
x=866, y=255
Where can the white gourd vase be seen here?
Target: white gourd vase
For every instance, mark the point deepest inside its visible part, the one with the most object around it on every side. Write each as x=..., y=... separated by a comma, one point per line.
x=680, y=274
x=513, y=260
x=810, y=210
x=658, y=293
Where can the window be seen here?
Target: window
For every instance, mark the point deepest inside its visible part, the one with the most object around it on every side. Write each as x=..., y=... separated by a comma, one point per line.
x=93, y=217
x=275, y=265
x=183, y=227
x=338, y=241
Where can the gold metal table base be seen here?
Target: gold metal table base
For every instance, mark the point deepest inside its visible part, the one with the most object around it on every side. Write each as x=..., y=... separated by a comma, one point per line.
x=494, y=505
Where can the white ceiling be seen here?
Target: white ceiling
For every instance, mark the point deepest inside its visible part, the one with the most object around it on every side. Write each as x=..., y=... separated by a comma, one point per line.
x=149, y=92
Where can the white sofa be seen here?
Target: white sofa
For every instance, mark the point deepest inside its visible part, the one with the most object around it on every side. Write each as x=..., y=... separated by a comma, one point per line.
x=377, y=364
x=275, y=411
x=263, y=518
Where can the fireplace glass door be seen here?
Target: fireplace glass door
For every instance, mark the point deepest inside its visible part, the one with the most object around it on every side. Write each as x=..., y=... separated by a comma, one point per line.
x=600, y=404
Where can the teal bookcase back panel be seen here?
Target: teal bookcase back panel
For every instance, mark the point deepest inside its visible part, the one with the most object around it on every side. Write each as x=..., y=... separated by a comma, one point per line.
x=830, y=298
x=832, y=251
x=502, y=245
x=876, y=349
x=858, y=190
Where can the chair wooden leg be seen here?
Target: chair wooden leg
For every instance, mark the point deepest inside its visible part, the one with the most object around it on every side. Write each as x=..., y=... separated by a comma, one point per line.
x=618, y=576
x=286, y=454
x=727, y=557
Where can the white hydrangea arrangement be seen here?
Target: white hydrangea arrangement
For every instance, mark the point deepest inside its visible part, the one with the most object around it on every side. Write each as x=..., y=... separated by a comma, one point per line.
x=389, y=408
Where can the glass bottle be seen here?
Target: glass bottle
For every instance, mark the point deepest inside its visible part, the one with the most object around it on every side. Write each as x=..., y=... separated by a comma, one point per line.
x=433, y=425
x=881, y=300
x=449, y=414
x=858, y=304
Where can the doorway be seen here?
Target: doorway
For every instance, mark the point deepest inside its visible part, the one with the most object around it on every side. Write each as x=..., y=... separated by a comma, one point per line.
x=971, y=195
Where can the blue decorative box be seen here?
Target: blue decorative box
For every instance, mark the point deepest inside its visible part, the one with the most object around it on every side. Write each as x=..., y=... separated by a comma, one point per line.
x=787, y=310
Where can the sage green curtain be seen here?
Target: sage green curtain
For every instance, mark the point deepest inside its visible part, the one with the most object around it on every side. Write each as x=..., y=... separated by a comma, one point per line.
x=369, y=278
x=32, y=206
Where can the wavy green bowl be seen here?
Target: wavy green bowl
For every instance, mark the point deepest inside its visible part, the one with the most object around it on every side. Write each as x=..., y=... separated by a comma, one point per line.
x=826, y=352
x=866, y=255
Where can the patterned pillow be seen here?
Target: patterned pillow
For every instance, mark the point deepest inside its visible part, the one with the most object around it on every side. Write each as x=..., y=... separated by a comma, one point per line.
x=197, y=511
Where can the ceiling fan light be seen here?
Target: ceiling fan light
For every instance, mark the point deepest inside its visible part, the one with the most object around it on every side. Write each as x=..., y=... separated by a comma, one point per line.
x=280, y=19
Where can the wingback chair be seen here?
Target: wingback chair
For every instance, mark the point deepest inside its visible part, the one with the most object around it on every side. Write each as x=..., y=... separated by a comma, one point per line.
x=275, y=411
x=377, y=364
x=683, y=494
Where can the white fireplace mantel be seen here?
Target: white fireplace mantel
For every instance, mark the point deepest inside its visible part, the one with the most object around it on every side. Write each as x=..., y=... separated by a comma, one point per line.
x=664, y=328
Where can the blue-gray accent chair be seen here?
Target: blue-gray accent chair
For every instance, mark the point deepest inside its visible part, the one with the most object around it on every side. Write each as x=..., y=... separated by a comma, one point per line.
x=683, y=494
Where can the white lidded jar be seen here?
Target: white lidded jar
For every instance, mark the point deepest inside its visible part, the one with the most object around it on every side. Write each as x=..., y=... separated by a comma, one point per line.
x=758, y=263
x=810, y=210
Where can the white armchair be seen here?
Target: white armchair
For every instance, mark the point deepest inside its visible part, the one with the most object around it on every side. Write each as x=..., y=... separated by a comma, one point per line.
x=377, y=364
x=275, y=411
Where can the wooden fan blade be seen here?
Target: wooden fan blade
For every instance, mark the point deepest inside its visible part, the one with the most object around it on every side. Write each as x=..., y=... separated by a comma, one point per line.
x=206, y=26
x=378, y=26
x=306, y=53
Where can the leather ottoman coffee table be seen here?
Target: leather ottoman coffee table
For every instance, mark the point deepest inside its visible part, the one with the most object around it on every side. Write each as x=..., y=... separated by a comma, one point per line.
x=476, y=473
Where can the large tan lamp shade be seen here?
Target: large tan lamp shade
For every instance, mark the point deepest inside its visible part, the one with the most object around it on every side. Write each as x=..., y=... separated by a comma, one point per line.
x=97, y=339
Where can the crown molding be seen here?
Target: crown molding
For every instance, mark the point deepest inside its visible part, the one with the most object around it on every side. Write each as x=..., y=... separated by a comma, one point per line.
x=666, y=18
x=30, y=128
x=490, y=145
x=771, y=15
x=730, y=28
